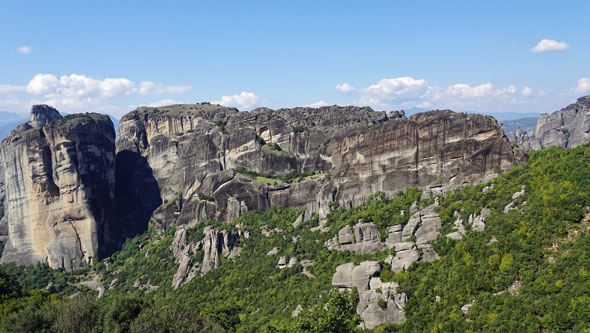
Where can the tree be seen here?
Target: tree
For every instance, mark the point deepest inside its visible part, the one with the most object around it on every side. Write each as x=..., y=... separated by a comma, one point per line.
x=338, y=315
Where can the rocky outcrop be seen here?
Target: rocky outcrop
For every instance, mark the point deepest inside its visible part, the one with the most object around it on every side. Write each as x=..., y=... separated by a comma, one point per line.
x=214, y=245
x=60, y=179
x=411, y=241
x=379, y=302
x=362, y=238
x=459, y=228
x=201, y=161
x=568, y=127
x=478, y=222
x=424, y=227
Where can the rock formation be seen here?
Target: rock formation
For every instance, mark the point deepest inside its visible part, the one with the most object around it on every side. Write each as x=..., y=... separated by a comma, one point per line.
x=423, y=226
x=188, y=163
x=371, y=290
x=183, y=164
x=214, y=245
x=568, y=127
x=364, y=239
x=59, y=177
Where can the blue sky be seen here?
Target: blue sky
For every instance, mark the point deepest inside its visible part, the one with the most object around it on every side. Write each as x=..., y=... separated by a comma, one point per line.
x=111, y=56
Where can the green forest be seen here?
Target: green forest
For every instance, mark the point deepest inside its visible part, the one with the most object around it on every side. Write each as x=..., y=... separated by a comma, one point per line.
x=544, y=244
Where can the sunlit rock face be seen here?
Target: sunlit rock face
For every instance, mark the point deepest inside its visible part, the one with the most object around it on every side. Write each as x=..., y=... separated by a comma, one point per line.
x=568, y=127
x=183, y=162
x=59, y=176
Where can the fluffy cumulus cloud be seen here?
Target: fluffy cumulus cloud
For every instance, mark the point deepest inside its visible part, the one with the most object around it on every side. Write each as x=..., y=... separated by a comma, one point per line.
x=345, y=87
x=395, y=90
x=546, y=45
x=25, y=49
x=318, y=104
x=407, y=92
x=582, y=87
x=526, y=91
x=243, y=101
x=164, y=102
x=77, y=92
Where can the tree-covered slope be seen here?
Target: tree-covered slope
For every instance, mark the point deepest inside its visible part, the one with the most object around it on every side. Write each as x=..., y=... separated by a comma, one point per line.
x=528, y=271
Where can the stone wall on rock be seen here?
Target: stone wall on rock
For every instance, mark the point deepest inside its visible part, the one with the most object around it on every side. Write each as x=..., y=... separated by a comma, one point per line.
x=59, y=182
x=190, y=159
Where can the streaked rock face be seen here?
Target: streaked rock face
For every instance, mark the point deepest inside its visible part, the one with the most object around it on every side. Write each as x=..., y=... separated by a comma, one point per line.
x=568, y=127
x=59, y=178
x=185, y=157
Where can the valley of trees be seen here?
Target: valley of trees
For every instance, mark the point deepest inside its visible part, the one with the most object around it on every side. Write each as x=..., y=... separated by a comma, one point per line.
x=544, y=244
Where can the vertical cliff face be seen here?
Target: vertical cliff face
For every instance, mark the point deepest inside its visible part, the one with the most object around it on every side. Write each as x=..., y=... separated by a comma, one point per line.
x=3, y=222
x=59, y=175
x=436, y=149
x=568, y=127
x=203, y=161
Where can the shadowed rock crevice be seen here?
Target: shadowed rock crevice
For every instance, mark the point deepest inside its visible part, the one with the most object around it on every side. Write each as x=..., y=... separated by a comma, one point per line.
x=137, y=195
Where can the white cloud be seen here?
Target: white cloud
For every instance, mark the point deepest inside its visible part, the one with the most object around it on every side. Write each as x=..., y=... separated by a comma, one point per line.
x=398, y=87
x=345, y=87
x=546, y=45
x=25, y=49
x=42, y=83
x=460, y=91
x=164, y=102
x=526, y=91
x=390, y=91
x=582, y=87
x=148, y=87
x=9, y=88
x=317, y=104
x=407, y=92
x=243, y=101
x=76, y=92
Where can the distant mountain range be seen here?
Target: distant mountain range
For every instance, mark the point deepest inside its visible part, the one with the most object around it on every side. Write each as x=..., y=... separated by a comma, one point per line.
x=9, y=120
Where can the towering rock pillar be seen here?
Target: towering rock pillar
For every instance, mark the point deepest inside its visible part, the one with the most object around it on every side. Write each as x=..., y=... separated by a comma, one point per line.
x=59, y=175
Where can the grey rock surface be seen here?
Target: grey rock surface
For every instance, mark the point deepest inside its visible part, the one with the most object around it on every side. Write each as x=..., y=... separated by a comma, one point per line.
x=370, y=290
x=478, y=222
x=273, y=251
x=568, y=127
x=430, y=224
x=215, y=245
x=59, y=179
x=459, y=227
x=403, y=259
x=343, y=276
x=361, y=238
x=465, y=307
x=394, y=235
x=193, y=152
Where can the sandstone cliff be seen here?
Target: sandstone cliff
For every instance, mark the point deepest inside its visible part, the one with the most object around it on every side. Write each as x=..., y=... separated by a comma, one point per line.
x=188, y=163
x=568, y=127
x=59, y=177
